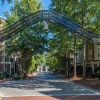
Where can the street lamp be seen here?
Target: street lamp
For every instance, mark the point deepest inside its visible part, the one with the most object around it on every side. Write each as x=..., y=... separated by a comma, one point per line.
x=46, y=25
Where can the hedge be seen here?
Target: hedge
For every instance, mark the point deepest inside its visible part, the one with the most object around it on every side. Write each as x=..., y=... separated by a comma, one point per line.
x=17, y=77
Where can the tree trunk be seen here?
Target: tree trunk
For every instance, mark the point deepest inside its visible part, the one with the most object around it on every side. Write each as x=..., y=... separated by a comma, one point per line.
x=23, y=65
x=84, y=65
x=67, y=69
x=75, y=56
x=25, y=69
x=66, y=57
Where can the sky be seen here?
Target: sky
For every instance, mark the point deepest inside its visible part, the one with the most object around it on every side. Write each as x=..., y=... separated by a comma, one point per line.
x=6, y=6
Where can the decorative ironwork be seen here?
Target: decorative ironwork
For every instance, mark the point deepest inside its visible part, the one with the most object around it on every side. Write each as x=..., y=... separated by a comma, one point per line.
x=40, y=50
x=48, y=15
x=61, y=57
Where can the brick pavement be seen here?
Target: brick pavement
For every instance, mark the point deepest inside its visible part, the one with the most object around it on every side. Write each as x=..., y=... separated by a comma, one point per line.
x=0, y=98
x=53, y=98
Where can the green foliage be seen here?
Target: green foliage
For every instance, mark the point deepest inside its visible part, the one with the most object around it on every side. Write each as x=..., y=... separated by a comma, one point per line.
x=31, y=64
x=59, y=40
x=17, y=77
x=97, y=70
x=1, y=75
x=96, y=75
x=53, y=62
x=4, y=75
x=84, y=12
x=40, y=59
x=31, y=38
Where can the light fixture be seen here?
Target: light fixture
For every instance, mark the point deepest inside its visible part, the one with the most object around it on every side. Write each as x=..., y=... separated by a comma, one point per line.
x=46, y=25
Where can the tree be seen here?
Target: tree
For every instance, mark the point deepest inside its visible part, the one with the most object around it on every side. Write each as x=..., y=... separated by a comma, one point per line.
x=9, y=1
x=40, y=59
x=30, y=38
x=54, y=62
x=84, y=12
x=31, y=64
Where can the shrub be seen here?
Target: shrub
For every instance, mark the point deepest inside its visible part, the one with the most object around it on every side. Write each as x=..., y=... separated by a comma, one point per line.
x=1, y=75
x=96, y=75
x=5, y=74
x=17, y=77
x=89, y=71
x=97, y=70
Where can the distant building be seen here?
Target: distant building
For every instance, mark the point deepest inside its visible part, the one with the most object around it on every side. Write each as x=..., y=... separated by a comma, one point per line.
x=6, y=63
x=2, y=46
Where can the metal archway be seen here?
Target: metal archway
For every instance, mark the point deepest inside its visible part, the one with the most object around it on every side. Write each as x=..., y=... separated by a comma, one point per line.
x=48, y=15
x=48, y=50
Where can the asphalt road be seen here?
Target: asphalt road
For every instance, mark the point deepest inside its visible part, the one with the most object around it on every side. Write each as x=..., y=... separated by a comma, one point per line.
x=44, y=84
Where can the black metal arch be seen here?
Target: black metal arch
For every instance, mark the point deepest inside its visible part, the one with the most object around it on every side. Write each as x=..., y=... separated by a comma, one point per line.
x=48, y=15
x=40, y=50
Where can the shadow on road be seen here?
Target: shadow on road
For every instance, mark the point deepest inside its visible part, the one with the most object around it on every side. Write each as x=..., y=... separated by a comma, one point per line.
x=49, y=85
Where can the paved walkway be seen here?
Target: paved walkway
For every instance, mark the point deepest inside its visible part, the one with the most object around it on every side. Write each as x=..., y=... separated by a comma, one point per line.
x=46, y=87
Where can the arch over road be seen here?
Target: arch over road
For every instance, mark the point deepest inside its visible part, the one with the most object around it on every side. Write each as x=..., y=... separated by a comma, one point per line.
x=48, y=15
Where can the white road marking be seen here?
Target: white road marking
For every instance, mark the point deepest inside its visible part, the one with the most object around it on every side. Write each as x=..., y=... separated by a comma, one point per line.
x=1, y=95
x=55, y=95
x=87, y=88
x=46, y=89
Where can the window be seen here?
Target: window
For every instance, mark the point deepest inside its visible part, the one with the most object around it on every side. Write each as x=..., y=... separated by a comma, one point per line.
x=95, y=65
x=98, y=52
x=99, y=64
x=90, y=54
x=77, y=59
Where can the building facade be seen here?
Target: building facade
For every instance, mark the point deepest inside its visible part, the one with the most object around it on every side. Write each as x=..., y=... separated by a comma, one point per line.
x=6, y=62
x=92, y=56
x=2, y=46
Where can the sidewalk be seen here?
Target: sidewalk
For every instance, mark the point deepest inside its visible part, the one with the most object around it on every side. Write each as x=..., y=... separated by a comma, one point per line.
x=4, y=80
x=1, y=81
